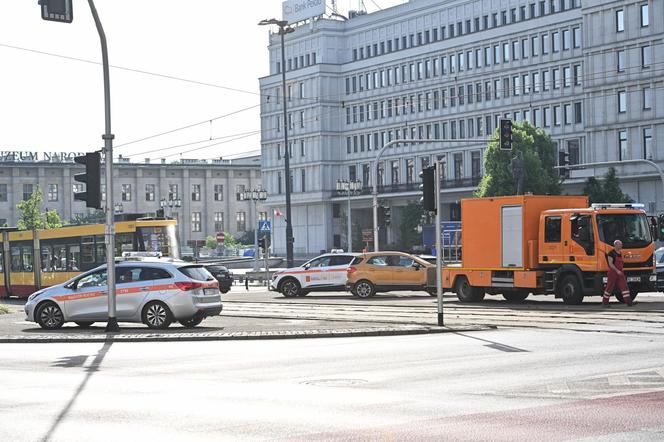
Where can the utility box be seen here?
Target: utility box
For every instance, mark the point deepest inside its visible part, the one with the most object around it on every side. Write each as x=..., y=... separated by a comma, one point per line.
x=502, y=232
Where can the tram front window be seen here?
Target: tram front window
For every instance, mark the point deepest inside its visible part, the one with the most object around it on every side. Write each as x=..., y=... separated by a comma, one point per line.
x=158, y=239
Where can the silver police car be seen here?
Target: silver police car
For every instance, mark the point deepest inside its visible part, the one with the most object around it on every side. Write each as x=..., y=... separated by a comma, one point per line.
x=154, y=292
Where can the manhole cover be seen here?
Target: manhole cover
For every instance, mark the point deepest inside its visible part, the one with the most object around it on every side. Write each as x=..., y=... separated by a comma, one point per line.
x=335, y=382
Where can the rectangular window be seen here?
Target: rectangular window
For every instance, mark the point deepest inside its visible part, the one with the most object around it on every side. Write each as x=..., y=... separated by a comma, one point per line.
x=577, y=112
x=647, y=143
x=27, y=191
x=241, y=218
x=218, y=192
x=149, y=192
x=576, y=37
x=557, y=117
x=647, y=98
x=620, y=20
x=622, y=102
x=196, y=221
x=567, y=76
x=303, y=180
x=126, y=192
x=52, y=192
x=646, y=59
x=566, y=40
x=219, y=221
x=567, y=114
x=536, y=82
x=3, y=192
x=577, y=75
x=545, y=44
x=552, y=229
x=556, y=41
x=239, y=192
x=546, y=80
x=546, y=117
x=534, y=46
x=620, y=61
x=645, y=15
x=195, y=192
x=622, y=145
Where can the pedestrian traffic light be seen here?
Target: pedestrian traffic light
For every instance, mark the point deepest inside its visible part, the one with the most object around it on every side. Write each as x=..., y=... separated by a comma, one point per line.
x=563, y=162
x=57, y=10
x=428, y=188
x=505, y=134
x=263, y=243
x=660, y=226
x=91, y=178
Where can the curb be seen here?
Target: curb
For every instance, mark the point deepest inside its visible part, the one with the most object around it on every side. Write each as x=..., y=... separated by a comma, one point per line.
x=221, y=336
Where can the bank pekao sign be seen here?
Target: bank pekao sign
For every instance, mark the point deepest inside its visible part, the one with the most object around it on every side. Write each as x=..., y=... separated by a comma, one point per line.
x=17, y=156
x=298, y=10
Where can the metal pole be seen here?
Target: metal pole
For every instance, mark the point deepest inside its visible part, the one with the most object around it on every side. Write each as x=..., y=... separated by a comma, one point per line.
x=439, y=252
x=112, y=323
x=256, y=252
x=289, y=222
x=350, y=231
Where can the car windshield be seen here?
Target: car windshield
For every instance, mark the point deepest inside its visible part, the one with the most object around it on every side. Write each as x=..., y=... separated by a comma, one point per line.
x=631, y=228
x=659, y=256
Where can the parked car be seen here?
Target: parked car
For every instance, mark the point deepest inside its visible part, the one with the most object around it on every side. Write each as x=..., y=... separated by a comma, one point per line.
x=659, y=269
x=387, y=271
x=223, y=276
x=323, y=273
x=154, y=292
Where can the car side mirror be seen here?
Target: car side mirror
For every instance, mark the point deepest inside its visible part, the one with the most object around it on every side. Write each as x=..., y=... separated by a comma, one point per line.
x=306, y=266
x=416, y=266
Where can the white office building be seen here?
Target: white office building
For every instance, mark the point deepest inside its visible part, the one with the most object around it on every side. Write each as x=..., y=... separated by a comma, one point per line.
x=588, y=73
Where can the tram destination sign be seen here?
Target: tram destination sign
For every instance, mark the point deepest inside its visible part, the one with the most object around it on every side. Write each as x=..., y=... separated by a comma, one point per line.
x=17, y=156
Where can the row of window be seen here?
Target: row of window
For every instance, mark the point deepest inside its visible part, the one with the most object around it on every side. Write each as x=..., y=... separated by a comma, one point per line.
x=644, y=11
x=300, y=62
x=544, y=117
x=218, y=218
x=646, y=144
x=646, y=58
x=468, y=26
x=523, y=84
x=465, y=60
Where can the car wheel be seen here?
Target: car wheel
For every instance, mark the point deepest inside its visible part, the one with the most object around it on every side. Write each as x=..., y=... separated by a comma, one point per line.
x=191, y=322
x=290, y=288
x=364, y=289
x=516, y=297
x=225, y=290
x=157, y=315
x=49, y=316
x=466, y=292
x=569, y=290
x=84, y=324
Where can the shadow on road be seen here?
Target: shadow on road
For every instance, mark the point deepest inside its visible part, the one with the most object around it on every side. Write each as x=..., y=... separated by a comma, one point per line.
x=494, y=345
x=74, y=361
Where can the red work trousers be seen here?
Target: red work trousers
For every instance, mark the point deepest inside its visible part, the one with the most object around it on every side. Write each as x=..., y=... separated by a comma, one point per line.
x=613, y=280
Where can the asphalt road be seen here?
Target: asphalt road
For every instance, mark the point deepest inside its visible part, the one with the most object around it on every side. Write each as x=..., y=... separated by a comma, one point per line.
x=500, y=385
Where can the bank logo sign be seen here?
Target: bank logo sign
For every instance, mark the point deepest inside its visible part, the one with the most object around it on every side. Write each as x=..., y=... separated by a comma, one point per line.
x=298, y=10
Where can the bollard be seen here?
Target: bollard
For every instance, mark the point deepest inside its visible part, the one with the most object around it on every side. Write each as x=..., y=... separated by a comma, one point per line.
x=246, y=282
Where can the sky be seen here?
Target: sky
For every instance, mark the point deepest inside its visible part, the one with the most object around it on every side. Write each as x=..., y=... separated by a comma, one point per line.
x=54, y=104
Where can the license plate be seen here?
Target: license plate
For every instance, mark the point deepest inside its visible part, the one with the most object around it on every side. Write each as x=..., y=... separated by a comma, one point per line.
x=211, y=291
x=633, y=279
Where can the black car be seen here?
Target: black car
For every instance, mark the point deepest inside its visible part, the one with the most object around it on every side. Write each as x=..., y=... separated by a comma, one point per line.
x=223, y=275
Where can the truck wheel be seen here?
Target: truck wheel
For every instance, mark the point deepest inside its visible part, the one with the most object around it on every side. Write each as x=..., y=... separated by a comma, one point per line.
x=632, y=295
x=569, y=290
x=466, y=292
x=516, y=297
x=290, y=288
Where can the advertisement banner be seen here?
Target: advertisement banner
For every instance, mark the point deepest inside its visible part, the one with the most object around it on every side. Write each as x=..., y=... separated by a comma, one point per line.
x=298, y=10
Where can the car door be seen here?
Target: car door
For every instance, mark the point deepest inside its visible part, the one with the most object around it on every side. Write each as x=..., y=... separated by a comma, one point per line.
x=551, y=250
x=133, y=285
x=378, y=271
x=88, y=298
x=337, y=272
x=315, y=274
x=405, y=273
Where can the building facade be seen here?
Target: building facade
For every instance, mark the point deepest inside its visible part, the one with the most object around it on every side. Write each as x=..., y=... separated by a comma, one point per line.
x=588, y=72
x=208, y=191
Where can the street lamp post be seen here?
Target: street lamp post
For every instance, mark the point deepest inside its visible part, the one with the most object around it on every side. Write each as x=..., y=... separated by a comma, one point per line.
x=255, y=196
x=350, y=187
x=283, y=30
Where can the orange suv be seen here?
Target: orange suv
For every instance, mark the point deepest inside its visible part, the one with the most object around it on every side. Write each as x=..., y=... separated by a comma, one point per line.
x=375, y=272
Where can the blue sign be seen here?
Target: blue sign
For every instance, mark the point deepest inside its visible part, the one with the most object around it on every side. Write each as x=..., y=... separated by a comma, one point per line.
x=264, y=226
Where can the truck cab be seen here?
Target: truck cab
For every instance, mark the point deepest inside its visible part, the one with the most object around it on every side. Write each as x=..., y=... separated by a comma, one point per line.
x=574, y=243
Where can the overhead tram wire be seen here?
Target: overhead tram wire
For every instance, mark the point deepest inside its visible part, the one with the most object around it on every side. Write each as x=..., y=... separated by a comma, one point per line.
x=206, y=140
x=211, y=145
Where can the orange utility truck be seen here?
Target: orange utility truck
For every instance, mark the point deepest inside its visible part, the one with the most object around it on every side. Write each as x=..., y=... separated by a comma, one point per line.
x=518, y=245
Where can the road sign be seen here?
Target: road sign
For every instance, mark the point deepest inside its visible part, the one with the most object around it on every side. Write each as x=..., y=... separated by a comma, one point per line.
x=264, y=226
x=221, y=237
x=367, y=235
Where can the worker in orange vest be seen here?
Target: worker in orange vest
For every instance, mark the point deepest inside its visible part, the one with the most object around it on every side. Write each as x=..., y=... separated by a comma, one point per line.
x=616, y=276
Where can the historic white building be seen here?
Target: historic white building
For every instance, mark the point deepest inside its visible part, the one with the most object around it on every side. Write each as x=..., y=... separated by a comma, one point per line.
x=588, y=73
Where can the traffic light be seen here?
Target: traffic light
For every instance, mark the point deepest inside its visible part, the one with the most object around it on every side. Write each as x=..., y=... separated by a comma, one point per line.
x=563, y=160
x=263, y=243
x=388, y=215
x=91, y=178
x=428, y=188
x=660, y=226
x=505, y=134
x=57, y=10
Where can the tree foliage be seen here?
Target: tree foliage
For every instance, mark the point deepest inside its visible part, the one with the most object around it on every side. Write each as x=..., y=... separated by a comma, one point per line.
x=96, y=217
x=32, y=216
x=539, y=155
x=211, y=242
x=606, y=191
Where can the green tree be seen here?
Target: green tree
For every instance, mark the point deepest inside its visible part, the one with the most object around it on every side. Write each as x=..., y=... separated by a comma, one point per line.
x=211, y=242
x=411, y=216
x=608, y=191
x=96, y=217
x=229, y=240
x=53, y=220
x=539, y=159
x=31, y=214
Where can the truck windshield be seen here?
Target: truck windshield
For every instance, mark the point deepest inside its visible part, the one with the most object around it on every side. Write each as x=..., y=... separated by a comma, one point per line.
x=631, y=228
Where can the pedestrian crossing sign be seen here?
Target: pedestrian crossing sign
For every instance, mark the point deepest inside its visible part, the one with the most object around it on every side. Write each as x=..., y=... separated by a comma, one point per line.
x=264, y=226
